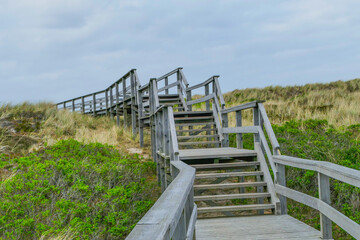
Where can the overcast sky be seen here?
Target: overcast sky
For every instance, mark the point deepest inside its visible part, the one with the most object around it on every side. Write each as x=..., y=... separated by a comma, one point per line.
x=58, y=49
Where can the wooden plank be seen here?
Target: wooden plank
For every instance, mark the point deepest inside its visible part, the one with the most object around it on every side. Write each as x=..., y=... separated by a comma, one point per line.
x=324, y=195
x=190, y=235
x=200, y=100
x=344, y=174
x=225, y=165
x=236, y=208
x=228, y=185
x=198, y=143
x=274, y=142
x=167, y=87
x=230, y=196
x=201, y=84
x=240, y=107
x=337, y=217
x=228, y=174
x=245, y=129
x=173, y=136
x=255, y=227
x=219, y=93
x=267, y=178
x=213, y=153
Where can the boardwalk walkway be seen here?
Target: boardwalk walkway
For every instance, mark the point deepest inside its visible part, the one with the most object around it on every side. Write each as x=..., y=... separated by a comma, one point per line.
x=255, y=228
x=209, y=181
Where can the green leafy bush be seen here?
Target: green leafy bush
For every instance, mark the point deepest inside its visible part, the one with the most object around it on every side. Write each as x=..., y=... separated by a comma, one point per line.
x=91, y=191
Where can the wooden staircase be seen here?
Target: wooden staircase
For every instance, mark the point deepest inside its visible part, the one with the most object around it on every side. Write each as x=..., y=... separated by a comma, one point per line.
x=196, y=129
x=231, y=187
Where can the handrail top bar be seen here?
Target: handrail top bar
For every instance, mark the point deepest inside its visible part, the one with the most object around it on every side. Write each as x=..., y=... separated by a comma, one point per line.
x=341, y=173
x=90, y=94
x=168, y=74
x=144, y=87
x=242, y=106
x=203, y=83
x=160, y=219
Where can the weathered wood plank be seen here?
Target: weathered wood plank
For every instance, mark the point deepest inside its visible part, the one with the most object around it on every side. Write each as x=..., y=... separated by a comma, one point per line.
x=255, y=227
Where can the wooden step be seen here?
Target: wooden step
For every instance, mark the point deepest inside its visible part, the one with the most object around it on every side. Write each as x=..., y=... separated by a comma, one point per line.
x=231, y=196
x=224, y=165
x=236, y=208
x=229, y=185
x=196, y=130
x=196, y=136
x=228, y=174
x=193, y=124
x=163, y=96
x=197, y=143
x=193, y=118
x=161, y=100
x=192, y=113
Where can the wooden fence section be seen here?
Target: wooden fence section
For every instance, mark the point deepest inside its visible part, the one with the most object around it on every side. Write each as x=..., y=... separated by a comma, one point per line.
x=325, y=171
x=174, y=214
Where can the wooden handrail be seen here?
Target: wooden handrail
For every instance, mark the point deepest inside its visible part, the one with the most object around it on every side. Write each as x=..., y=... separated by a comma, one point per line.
x=163, y=220
x=325, y=171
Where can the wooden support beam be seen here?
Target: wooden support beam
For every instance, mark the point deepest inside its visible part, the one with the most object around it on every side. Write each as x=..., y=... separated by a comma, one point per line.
x=324, y=195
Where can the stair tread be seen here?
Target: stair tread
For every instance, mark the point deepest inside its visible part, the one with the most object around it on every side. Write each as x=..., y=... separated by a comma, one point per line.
x=228, y=174
x=236, y=208
x=225, y=165
x=196, y=143
x=193, y=118
x=197, y=136
x=193, y=113
x=197, y=130
x=231, y=196
x=229, y=185
x=194, y=124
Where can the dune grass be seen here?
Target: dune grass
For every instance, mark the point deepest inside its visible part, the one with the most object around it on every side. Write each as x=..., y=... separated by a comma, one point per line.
x=65, y=175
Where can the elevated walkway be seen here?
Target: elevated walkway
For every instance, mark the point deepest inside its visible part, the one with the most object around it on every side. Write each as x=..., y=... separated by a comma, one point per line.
x=211, y=190
x=255, y=228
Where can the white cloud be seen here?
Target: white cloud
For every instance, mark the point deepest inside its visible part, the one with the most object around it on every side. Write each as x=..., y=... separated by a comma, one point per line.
x=82, y=45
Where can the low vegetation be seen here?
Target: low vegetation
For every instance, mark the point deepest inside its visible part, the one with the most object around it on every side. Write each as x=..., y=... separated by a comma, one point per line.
x=315, y=121
x=336, y=102
x=69, y=176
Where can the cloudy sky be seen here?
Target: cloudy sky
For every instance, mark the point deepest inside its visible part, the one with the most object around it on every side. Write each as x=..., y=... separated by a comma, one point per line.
x=59, y=49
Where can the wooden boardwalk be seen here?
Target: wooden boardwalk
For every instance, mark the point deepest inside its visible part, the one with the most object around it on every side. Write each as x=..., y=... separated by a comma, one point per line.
x=254, y=228
x=201, y=176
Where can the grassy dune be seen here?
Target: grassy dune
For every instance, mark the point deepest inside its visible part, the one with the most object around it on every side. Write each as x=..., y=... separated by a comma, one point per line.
x=337, y=102
x=70, y=176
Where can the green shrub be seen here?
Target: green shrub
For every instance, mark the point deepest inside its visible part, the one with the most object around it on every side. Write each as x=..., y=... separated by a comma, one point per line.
x=91, y=190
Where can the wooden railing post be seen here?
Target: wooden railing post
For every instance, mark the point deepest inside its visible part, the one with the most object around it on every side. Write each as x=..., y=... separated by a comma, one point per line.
x=324, y=195
x=207, y=92
x=188, y=98
x=111, y=103
x=281, y=180
x=64, y=105
x=94, y=104
x=225, y=124
x=125, y=113
x=239, y=137
x=256, y=123
x=140, y=115
x=117, y=95
x=133, y=99
x=107, y=102
x=166, y=83
x=83, y=105
x=73, y=105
